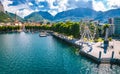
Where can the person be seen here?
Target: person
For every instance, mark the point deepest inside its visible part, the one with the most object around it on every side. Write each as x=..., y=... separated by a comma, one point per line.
x=112, y=46
x=90, y=49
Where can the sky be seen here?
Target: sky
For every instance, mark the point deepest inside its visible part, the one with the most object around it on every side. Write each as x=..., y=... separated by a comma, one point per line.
x=26, y=7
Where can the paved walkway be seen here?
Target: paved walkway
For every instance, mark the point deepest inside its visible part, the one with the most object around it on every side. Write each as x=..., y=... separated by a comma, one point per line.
x=96, y=48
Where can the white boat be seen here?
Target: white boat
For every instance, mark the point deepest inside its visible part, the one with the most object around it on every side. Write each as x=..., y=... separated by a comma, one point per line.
x=43, y=34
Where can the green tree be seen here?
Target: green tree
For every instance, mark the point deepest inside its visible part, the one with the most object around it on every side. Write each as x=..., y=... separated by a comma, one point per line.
x=105, y=26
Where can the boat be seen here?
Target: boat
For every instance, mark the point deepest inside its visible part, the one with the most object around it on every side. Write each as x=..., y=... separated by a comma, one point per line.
x=43, y=34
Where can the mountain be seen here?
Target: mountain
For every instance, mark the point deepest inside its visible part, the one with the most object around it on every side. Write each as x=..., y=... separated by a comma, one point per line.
x=89, y=13
x=39, y=16
x=5, y=17
x=103, y=16
x=75, y=15
x=46, y=15
x=36, y=17
x=78, y=12
x=13, y=16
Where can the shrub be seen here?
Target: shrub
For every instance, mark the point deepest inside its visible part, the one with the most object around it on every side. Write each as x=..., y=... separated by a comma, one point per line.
x=110, y=38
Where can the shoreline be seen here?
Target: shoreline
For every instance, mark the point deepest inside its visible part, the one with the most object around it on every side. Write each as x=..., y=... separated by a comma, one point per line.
x=95, y=58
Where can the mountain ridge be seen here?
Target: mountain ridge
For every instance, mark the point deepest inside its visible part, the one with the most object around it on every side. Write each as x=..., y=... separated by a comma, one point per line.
x=5, y=17
x=79, y=13
x=74, y=15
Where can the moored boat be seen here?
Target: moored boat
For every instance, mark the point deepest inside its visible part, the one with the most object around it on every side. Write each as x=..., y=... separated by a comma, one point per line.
x=43, y=34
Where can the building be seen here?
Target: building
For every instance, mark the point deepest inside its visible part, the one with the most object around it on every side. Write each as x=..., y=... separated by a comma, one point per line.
x=1, y=7
x=116, y=24
x=111, y=29
x=96, y=22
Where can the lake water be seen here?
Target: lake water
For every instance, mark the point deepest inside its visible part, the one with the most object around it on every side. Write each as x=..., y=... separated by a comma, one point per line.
x=26, y=53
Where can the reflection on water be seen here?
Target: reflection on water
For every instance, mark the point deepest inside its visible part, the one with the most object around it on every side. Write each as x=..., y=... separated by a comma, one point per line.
x=30, y=54
x=106, y=69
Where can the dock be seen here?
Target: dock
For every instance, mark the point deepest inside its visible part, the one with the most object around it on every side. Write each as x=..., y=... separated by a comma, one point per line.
x=97, y=54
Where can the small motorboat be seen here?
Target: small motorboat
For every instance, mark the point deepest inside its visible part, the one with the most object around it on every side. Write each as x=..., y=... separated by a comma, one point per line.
x=43, y=34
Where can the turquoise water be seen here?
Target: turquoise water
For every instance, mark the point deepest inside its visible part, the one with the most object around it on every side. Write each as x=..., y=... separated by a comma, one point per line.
x=26, y=53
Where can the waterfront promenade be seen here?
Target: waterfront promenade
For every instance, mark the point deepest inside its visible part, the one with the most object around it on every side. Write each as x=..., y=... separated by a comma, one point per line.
x=96, y=48
x=93, y=50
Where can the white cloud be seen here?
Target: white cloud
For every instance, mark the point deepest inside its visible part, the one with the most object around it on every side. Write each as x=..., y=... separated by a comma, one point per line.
x=36, y=10
x=37, y=1
x=113, y=3
x=40, y=6
x=17, y=9
x=6, y=3
x=24, y=12
x=51, y=4
x=56, y=6
x=30, y=4
x=98, y=6
x=110, y=4
x=53, y=12
x=61, y=6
